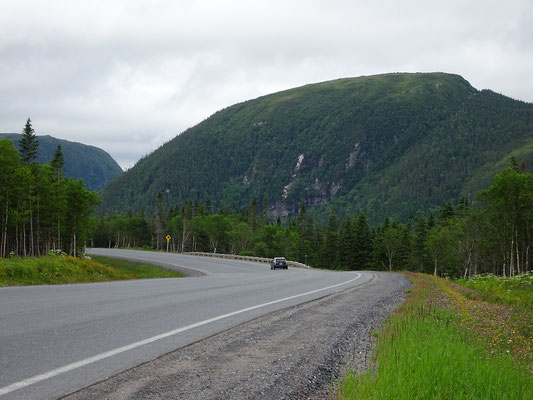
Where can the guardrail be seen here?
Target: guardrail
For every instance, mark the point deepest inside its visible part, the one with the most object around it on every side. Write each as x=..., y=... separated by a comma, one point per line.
x=244, y=258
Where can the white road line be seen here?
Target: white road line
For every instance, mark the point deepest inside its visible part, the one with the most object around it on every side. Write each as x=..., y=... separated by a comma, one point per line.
x=110, y=353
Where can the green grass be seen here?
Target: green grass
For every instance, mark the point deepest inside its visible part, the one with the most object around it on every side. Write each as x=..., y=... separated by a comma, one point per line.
x=138, y=271
x=441, y=345
x=53, y=270
x=515, y=291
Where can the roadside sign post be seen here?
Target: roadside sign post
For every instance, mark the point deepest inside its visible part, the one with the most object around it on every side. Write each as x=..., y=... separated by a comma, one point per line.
x=168, y=237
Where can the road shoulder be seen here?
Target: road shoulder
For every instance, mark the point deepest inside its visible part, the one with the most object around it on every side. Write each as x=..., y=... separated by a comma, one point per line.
x=292, y=353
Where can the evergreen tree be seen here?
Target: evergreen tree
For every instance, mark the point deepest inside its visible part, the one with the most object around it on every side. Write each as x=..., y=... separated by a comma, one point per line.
x=304, y=246
x=363, y=243
x=514, y=164
x=159, y=223
x=188, y=209
x=209, y=205
x=301, y=215
x=346, y=239
x=252, y=214
x=329, y=249
x=224, y=207
x=58, y=161
x=28, y=144
x=264, y=211
x=28, y=152
x=198, y=209
x=419, y=261
x=431, y=221
x=32, y=212
x=446, y=212
x=463, y=206
x=57, y=168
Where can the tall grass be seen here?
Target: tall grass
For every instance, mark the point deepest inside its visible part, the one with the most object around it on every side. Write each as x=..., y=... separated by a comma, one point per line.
x=515, y=291
x=52, y=270
x=441, y=345
x=136, y=270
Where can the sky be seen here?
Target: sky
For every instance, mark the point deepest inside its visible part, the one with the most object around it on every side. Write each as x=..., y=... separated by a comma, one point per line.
x=129, y=75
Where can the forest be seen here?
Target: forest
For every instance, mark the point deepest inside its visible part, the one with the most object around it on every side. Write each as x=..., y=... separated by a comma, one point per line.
x=384, y=145
x=41, y=211
x=91, y=164
x=457, y=241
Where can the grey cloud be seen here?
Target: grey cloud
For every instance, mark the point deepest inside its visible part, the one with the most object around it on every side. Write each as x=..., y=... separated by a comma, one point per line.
x=128, y=75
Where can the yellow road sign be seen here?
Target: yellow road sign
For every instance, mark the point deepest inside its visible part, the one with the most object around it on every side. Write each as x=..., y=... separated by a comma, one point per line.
x=168, y=238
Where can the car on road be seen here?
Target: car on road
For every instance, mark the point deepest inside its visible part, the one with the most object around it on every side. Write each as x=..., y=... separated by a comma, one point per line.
x=279, y=262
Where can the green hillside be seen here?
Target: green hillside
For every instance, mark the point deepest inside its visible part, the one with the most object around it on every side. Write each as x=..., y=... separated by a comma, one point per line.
x=385, y=144
x=92, y=164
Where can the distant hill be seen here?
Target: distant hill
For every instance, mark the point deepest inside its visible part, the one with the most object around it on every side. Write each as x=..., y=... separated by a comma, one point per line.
x=387, y=145
x=96, y=167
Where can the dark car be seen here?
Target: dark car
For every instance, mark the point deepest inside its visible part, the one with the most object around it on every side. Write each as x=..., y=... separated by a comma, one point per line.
x=279, y=262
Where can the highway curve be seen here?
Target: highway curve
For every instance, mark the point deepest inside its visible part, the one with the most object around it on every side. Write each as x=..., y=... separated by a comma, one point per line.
x=56, y=340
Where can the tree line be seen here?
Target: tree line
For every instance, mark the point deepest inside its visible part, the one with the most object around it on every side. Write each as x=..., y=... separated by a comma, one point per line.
x=40, y=209
x=460, y=240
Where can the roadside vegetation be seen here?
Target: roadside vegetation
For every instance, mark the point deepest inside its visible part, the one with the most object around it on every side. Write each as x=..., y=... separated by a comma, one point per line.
x=447, y=341
x=516, y=291
x=459, y=240
x=40, y=209
x=136, y=270
x=54, y=270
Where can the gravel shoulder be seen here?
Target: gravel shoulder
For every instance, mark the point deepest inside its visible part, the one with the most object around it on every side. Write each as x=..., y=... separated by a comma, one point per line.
x=295, y=353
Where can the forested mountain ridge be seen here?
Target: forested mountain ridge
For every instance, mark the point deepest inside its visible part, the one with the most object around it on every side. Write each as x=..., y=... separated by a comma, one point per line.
x=91, y=164
x=386, y=144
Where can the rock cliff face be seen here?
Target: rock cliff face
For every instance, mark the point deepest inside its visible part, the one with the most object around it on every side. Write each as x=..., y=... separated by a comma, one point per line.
x=387, y=144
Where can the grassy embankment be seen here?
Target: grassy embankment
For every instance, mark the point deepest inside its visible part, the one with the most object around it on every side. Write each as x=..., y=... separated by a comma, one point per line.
x=448, y=341
x=53, y=270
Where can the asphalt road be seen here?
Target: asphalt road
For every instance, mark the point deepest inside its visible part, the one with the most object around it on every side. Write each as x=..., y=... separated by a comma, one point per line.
x=57, y=339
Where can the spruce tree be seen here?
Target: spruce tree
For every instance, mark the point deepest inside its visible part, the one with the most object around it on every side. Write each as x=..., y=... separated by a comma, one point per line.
x=57, y=163
x=264, y=211
x=224, y=207
x=28, y=144
x=28, y=153
x=362, y=242
x=209, y=205
x=329, y=249
x=252, y=213
x=301, y=215
x=446, y=212
x=159, y=223
x=346, y=245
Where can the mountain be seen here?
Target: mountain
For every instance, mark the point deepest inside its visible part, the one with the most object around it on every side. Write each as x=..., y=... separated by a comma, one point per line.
x=93, y=165
x=387, y=145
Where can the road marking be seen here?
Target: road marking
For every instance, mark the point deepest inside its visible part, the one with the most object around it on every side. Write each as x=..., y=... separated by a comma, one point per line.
x=110, y=353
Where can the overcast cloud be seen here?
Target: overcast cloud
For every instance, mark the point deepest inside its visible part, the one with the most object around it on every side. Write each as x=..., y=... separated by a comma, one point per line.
x=129, y=75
